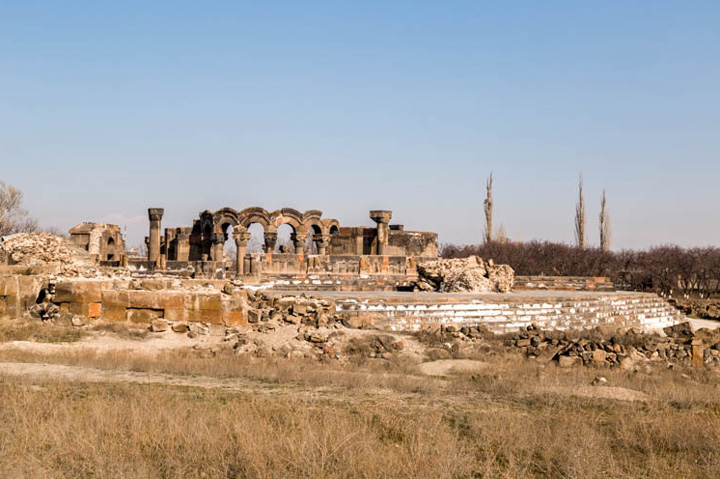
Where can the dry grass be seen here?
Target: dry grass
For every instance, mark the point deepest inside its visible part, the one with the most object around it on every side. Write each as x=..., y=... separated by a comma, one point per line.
x=515, y=419
x=38, y=331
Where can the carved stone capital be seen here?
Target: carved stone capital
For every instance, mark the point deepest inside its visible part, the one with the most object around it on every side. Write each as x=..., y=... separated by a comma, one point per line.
x=156, y=214
x=241, y=238
x=218, y=238
x=381, y=216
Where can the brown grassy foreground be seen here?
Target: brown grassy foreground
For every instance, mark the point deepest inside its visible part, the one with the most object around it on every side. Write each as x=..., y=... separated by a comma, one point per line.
x=513, y=418
x=37, y=331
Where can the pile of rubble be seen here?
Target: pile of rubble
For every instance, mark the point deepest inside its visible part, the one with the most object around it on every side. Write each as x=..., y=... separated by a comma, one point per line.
x=288, y=326
x=624, y=348
x=705, y=308
x=465, y=275
x=30, y=249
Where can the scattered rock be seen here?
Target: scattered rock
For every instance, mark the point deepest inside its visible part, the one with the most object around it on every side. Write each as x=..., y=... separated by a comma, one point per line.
x=159, y=326
x=180, y=327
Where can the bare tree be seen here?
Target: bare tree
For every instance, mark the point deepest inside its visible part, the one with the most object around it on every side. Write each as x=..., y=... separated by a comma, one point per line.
x=605, y=232
x=501, y=235
x=580, y=217
x=488, y=206
x=13, y=217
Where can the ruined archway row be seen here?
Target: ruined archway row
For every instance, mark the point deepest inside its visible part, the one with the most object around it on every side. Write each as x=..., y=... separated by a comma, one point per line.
x=329, y=245
x=211, y=229
x=301, y=222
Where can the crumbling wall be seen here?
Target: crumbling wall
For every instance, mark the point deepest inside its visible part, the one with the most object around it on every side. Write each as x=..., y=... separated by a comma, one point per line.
x=18, y=293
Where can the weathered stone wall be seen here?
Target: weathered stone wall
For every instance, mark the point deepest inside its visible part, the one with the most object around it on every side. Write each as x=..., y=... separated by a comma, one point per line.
x=17, y=293
x=116, y=300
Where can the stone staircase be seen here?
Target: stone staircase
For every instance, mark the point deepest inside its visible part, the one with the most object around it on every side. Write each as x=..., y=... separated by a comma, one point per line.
x=508, y=313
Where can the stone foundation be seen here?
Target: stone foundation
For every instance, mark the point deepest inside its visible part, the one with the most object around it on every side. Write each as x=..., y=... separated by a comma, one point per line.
x=503, y=313
x=211, y=301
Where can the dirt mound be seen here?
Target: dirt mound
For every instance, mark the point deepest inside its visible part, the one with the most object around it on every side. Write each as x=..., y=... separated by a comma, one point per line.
x=465, y=275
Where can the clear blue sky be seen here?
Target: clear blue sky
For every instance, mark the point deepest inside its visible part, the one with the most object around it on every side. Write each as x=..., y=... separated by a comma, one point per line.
x=108, y=107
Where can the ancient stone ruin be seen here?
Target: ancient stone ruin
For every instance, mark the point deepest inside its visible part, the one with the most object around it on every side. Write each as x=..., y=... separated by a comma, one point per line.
x=328, y=276
x=319, y=246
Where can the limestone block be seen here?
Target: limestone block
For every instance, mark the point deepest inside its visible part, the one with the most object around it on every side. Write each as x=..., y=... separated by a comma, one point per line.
x=114, y=299
x=175, y=314
x=94, y=310
x=142, y=299
x=143, y=315
x=234, y=318
x=170, y=300
x=8, y=286
x=113, y=314
x=209, y=301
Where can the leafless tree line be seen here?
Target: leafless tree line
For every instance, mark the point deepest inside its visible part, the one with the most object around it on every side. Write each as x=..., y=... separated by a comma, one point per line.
x=664, y=269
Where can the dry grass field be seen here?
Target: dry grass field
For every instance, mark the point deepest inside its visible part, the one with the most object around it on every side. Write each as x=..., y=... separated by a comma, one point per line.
x=74, y=412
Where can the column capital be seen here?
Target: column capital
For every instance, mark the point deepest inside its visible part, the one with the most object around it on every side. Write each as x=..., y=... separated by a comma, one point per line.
x=156, y=214
x=241, y=238
x=218, y=238
x=381, y=216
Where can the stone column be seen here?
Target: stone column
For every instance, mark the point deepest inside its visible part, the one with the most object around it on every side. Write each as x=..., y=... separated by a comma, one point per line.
x=270, y=240
x=183, y=246
x=382, y=218
x=323, y=241
x=155, y=215
x=241, y=240
x=298, y=240
x=218, y=246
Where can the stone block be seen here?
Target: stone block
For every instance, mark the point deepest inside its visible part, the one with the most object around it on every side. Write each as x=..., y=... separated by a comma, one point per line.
x=153, y=284
x=599, y=356
x=254, y=316
x=113, y=314
x=212, y=317
x=175, y=314
x=142, y=299
x=210, y=301
x=143, y=315
x=64, y=292
x=87, y=292
x=169, y=300
x=114, y=299
x=159, y=326
x=8, y=286
x=94, y=310
x=234, y=318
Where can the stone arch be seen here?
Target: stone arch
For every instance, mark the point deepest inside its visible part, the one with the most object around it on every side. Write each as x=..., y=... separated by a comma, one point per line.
x=255, y=214
x=332, y=226
x=224, y=217
x=312, y=219
x=110, y=249
x=288, y=216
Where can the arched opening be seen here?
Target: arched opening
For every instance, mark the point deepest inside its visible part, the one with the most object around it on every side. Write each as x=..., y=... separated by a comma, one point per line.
x=230, y=249
x=311, y=240
x=110, y=250
x=257, y=238
x=206, y=241
x=285, y=235
x=334, y=230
